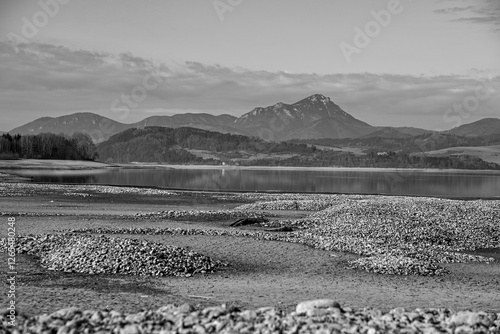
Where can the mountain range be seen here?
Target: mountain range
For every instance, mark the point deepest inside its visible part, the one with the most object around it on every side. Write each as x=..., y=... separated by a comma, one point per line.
x=313, y=117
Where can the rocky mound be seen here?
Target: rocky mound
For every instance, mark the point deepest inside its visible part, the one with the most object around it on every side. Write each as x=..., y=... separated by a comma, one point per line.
x=82, y=190
x=397, y=265
x=109, y=255
x=404, y=235
x=304, y=205
x=321, y=316
x=203, y=215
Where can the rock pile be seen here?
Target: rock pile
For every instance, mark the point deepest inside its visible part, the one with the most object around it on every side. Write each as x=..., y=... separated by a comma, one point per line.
x=220, y=319
x=397, y=265
x=83, y=190
x=304, y=205
x=205, y=215
x=173, y=231
x=108, y=255
x=407, y=235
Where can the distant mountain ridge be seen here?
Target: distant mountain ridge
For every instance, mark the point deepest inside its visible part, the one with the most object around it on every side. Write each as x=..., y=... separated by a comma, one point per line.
x=101, y=128
x=95, y=125
x=483, y=127
x=314, y=117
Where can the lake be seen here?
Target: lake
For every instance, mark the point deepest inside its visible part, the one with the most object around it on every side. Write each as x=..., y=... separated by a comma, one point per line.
x=457, y=184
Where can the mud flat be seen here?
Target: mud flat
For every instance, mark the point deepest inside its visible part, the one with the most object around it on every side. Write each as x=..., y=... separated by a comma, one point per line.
x=265, y=269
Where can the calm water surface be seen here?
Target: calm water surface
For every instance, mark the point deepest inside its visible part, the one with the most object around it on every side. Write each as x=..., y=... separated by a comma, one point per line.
x=422, y=183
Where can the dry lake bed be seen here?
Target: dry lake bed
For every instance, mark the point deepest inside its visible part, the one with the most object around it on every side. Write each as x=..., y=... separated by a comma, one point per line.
x=134, y=249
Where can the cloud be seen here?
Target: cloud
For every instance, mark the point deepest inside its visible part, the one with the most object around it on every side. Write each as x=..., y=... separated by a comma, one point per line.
x=483, y=12
x=48, y=80
x=453, y=10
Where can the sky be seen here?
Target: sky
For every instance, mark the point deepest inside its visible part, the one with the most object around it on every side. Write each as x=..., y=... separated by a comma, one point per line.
x=432, y=64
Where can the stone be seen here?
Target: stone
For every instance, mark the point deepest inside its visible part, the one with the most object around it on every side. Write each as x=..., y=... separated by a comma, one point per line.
x=130, y=329
x=463, y=330
x=66, y=313
x=303, y=307
x=465, y=318
x=316, y=312
x=185, y=308
x=63, y=330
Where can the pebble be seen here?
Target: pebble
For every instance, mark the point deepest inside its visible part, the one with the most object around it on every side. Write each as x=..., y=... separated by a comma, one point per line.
x=220, y=319
x=311, y=305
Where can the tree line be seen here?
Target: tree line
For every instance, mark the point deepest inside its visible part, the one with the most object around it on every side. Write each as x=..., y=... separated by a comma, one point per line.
x=193, y=138
x=79, y=146
x=411, y=144
x=389, y=160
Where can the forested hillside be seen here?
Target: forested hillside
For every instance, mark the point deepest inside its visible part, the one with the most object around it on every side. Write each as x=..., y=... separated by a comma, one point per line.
x=414, y=144
x=159, y=144
x=48, y=146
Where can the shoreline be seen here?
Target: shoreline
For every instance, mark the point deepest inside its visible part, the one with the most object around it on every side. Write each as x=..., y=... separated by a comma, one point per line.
x=326, y=169
x=13, y=178
x=75, y=165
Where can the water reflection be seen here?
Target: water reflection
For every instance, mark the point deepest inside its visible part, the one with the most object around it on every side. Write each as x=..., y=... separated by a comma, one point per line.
x=449, y=184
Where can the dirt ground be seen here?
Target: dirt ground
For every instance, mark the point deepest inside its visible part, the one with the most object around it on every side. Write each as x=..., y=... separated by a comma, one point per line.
x=261, y=273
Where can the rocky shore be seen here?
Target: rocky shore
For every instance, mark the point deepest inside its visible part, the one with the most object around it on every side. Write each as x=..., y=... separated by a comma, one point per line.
x=318, y=316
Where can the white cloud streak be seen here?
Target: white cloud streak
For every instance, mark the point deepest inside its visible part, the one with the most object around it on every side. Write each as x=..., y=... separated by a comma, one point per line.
x=482, y=12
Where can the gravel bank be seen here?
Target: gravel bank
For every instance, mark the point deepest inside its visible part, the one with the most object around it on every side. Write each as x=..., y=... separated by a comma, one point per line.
x=84, y=190
x=310, y=317
x=202, y=215
x=398, y=235
x=107, y=255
